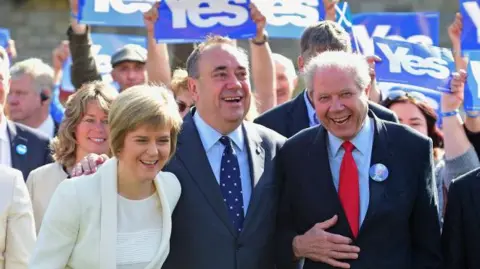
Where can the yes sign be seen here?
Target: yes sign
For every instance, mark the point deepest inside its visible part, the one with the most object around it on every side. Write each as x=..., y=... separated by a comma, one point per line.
x=184, y=19
x=470, y=10
x=472, y=89
x=416, y=27
x=413, y=64
x=4, y=37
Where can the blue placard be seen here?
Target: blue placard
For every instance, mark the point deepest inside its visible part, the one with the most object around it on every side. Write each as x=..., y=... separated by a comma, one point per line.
x=470, y=10
x=4, y=37
x=197, y=19
x=471, y=100
x=288, y=19
x=416, y=27
x=413, y=64
x=104, y=45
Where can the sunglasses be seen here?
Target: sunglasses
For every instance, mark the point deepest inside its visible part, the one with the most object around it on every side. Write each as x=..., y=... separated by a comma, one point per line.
x=394, y=95
x=182, y=106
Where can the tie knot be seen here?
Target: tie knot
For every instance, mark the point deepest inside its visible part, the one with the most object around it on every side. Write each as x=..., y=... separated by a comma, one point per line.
x=348, y=146
x=225, y=140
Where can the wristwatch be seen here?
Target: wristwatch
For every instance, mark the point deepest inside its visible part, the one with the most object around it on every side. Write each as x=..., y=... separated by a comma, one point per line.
x=261, y=41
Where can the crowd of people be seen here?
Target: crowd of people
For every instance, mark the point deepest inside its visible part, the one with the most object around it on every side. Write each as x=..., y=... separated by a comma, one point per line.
x=218, y=165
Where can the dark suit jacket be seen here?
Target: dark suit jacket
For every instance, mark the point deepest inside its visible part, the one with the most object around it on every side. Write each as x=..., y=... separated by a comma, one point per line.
x=291, y=117
x=202, y=234
x=461, y=228
x=37, y=148
x=401, y=229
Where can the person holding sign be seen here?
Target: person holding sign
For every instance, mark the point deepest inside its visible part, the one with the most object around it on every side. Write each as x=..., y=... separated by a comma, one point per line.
x=358, y=191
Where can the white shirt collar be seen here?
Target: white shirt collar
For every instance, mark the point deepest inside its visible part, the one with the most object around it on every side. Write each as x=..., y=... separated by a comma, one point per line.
x=47, y=127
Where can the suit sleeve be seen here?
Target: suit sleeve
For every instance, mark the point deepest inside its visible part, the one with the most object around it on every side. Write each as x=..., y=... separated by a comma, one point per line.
x=453, y=235
x=61, y=223
x=21, y=234
x=425, y=222
x=285, y=232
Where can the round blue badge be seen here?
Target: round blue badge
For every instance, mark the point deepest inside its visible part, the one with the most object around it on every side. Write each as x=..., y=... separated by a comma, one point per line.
x=21, y=149
x=378, y=172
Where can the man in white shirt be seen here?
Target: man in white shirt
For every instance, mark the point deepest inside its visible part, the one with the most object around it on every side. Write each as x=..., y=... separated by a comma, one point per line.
x=29, y=96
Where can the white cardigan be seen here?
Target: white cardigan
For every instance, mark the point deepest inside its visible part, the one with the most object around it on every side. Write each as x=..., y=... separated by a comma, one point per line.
x=79, y=229
x=42, y=183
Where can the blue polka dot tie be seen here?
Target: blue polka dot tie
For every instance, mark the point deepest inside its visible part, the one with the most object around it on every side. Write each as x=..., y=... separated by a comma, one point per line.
x=231, y=184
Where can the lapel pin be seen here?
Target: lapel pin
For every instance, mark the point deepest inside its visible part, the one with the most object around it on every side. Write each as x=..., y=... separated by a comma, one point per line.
x=378, y=172
x=21, y=149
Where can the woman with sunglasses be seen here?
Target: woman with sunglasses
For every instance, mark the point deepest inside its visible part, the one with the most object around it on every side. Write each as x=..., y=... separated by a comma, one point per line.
x=179, y=87
x=454, y=155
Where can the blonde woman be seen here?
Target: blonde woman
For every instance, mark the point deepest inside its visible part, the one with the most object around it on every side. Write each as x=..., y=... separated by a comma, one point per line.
x=120, y=216
x=84, y=130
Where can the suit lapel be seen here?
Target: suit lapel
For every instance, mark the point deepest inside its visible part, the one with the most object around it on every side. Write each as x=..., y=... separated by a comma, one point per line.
x=108, y=220
x=256, y=159
x=324, y=186
x=381, y=154
x=191, y=152
x=18, y=157
x=298, y=116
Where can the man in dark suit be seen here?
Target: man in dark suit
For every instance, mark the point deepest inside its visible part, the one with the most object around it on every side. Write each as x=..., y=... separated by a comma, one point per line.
x=461, y=232
x=355, y=194
x=21, y=147
x=224, y=219
x=298, y=113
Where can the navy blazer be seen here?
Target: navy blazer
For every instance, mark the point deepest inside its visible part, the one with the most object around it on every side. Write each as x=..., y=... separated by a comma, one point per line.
x=401, y=229
x=461, y=227
x=29, y=148
x=291, y=117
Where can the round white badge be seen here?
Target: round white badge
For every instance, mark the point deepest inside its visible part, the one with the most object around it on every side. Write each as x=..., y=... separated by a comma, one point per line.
x=378, y=172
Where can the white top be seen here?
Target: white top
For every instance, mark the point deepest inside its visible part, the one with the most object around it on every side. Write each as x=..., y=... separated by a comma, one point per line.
x=139, y=229
x=48, y=127
x=5, y=154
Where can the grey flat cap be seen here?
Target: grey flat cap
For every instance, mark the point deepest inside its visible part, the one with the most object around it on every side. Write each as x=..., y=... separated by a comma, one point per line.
x=130, y=53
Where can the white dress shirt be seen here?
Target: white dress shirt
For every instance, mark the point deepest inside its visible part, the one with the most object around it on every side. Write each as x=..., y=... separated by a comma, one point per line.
x=5, y=154
x=47, y=127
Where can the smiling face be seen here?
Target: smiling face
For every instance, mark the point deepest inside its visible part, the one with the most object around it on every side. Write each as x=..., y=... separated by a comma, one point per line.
x=409, y=114
x=339, y=103
x=92, y=132
x=145, y=152
x=222, y=90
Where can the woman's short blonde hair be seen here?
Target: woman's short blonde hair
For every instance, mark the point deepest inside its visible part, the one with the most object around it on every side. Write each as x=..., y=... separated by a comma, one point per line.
x=64, y=145
x=141, y=105
x=179, y=81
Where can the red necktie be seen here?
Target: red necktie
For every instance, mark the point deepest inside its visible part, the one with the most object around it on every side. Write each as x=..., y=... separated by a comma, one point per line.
x=348, y=189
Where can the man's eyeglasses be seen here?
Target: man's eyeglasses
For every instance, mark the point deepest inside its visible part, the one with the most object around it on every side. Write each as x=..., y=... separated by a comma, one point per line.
x=182, y=106
x=394, y=95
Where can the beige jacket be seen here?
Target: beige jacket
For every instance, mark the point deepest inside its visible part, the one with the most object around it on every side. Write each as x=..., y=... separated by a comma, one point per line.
x=17, y=227
x=79, y=229
x=42, y=183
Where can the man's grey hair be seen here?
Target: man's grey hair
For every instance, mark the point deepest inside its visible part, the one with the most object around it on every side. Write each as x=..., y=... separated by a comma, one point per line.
x=194, y=58
x=324, y=36
x=40, y=72
x=355, y=64
x=287, y=63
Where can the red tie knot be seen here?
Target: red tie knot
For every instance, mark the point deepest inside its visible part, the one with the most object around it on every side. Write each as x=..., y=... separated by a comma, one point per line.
x=348, y=146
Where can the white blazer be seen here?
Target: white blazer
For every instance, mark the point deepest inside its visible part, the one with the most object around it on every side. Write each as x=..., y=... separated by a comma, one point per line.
x=42, y=183
x=17, y=227
x=79, y=229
